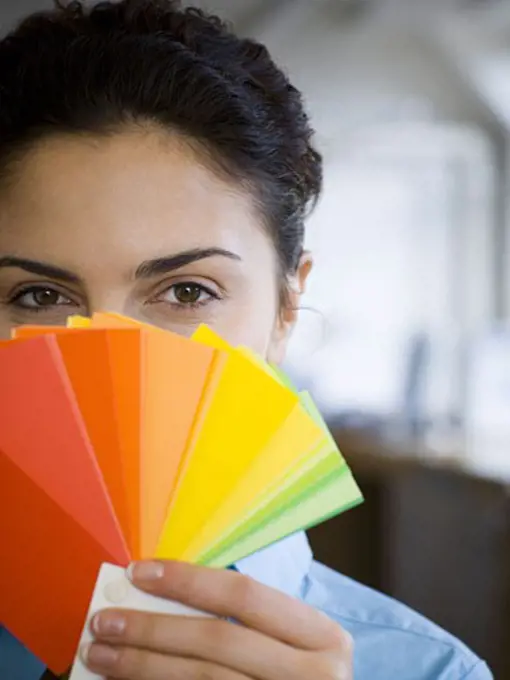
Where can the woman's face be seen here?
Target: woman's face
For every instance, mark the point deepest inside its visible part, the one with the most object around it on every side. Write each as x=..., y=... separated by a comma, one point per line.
x=135, y=224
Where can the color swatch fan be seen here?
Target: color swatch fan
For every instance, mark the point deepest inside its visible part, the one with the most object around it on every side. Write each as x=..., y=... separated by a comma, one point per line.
x=120, y=441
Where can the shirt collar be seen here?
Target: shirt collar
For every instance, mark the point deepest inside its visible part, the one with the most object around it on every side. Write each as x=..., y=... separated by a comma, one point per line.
x=283, y=565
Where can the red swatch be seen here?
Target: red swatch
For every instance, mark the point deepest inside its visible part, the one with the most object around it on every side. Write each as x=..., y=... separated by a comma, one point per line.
x=86, y=358
x=48, y=571
x=42, y=432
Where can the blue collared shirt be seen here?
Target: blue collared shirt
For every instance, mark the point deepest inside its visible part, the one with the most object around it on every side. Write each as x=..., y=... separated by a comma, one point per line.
x=390, y=641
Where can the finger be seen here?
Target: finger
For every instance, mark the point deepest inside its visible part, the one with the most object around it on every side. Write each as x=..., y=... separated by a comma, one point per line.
x=229, y=594
x=212, y=640
x=120, y=663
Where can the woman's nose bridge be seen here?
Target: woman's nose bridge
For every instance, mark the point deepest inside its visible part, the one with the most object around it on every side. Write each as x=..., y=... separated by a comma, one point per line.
x=108, y=298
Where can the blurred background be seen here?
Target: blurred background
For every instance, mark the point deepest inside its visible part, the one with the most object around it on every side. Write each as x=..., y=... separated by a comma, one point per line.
x=403, y=339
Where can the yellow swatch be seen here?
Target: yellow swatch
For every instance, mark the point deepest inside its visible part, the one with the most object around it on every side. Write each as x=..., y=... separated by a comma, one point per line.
x=246, y=410
x=291, y=446
x=79, y=322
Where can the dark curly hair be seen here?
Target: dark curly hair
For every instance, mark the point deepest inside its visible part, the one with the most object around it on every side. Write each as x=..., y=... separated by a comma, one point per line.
x=83, y=69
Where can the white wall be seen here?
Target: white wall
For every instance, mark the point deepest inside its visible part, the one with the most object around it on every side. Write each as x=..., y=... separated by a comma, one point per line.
x=396, y=254
x=362, y=71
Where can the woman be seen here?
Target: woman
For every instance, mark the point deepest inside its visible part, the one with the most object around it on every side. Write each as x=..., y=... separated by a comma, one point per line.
x=153, y=164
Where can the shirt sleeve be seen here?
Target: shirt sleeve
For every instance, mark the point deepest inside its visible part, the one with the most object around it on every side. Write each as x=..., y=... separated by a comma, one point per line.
x=479, y=672
x=16, y=663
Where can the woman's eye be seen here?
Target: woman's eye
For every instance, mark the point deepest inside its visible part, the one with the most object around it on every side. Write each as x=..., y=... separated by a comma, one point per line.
x=187, y=294
x=40, y=297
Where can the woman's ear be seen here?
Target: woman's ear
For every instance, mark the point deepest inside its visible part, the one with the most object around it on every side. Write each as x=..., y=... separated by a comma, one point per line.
x=289, y=309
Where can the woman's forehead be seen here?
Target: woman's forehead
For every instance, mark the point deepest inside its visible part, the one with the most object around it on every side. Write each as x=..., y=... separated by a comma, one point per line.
x=129, y=197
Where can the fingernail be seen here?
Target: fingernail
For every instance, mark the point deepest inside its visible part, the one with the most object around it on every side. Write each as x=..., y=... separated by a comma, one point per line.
x=145, y=571
x=108, y=623
x=99, y=657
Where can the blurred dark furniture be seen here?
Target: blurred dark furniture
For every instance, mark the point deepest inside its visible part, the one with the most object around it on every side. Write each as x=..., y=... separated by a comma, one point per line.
x=432, y=535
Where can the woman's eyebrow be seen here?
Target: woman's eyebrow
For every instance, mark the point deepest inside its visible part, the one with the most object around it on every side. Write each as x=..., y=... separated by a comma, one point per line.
x=39, y=268
x=164, y=265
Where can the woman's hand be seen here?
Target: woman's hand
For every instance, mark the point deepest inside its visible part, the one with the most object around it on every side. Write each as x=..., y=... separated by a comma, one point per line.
x=279, y=638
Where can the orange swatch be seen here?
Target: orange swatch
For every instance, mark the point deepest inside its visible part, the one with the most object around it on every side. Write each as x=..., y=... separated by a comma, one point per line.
x=48, y=571
x=25, y=332
x=125, y=349
x=175, y=373
x=37, y=406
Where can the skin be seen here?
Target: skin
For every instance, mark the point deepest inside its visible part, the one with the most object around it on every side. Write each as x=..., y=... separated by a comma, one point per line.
x=134, y=223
